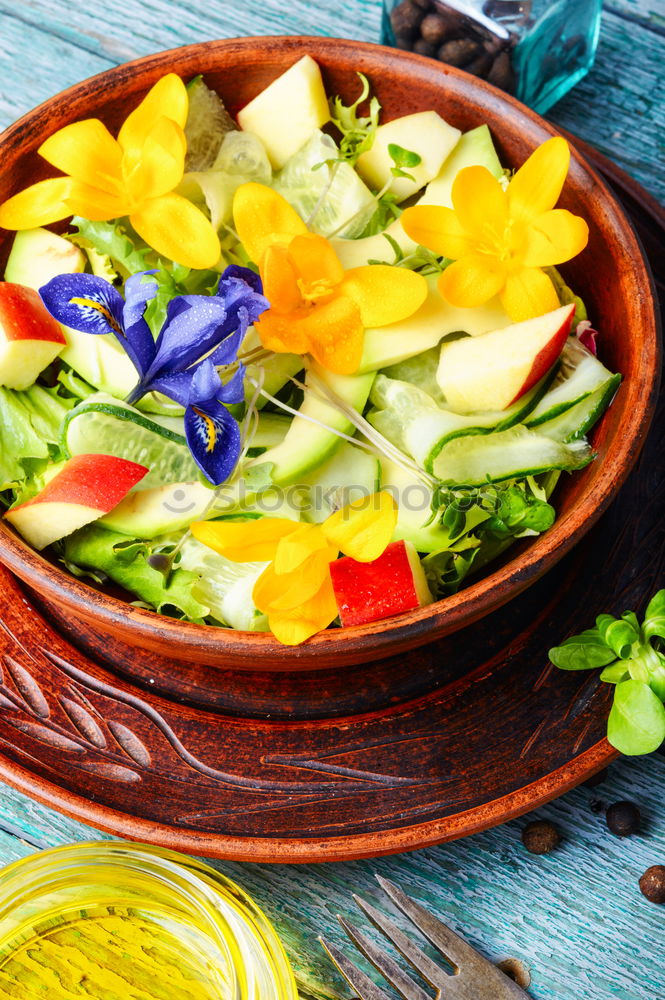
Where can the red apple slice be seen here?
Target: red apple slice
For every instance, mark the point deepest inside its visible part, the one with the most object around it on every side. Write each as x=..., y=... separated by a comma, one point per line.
x=368, y=591
x=86, y=487
x=29, y=336
x=491, y=371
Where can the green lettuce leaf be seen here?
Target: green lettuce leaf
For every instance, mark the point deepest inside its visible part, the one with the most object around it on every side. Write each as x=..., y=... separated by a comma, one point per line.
x=30, y=422
x=125, y=561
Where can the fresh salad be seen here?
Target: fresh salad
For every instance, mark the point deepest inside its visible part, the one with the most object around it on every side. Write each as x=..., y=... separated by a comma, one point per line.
x=301, y=369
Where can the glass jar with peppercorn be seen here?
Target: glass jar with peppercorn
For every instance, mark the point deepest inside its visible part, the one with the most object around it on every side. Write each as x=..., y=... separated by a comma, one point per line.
x=534, y=49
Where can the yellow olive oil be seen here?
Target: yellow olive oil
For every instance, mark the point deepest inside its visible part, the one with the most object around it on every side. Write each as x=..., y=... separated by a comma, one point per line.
x=110, y=952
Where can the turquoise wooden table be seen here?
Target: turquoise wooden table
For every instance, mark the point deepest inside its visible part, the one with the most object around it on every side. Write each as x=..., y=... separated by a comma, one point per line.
x=575, y=917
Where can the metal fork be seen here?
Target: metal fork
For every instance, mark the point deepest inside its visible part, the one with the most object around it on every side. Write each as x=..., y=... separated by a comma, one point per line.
x=472, y=977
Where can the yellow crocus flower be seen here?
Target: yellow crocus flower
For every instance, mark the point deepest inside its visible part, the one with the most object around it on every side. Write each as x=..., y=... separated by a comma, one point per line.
x=295, y=590
x=501, y=239
x=134, y=175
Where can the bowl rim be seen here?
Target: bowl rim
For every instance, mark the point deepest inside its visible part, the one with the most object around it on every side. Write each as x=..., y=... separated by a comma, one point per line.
x=354, y=644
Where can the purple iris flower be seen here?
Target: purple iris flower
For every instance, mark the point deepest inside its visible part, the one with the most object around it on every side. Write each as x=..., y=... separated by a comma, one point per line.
x=200, y=333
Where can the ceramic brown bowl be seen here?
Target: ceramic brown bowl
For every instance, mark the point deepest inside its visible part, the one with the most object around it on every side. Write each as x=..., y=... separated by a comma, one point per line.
x=611, y=275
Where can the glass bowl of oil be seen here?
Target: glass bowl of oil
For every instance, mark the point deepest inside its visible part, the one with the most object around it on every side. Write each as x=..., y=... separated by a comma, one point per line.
x=118, y=921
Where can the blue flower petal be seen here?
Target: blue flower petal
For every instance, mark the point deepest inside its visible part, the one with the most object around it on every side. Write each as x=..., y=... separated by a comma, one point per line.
x=206, y=383
x=85, y=302
x=188, y=333
x=175, y=385
x=239, y=286
x=234, y=390
x=140, y=343
x=213, y=437
x=226, y=353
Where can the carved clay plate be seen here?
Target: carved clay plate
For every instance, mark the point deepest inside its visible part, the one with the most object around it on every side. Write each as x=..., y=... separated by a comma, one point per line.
x=412, y=750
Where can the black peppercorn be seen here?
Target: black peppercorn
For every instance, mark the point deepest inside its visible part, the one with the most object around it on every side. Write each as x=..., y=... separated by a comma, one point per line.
x=623, y=818
x=480, y=65
x=405, y=20
x=652, y=884
x=458, y=52
x=540, y=837
x=434, y=29
x=501, y=73
x=424, y=48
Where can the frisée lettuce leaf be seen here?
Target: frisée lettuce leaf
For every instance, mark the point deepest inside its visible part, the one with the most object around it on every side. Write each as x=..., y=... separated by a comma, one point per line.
x=30, y=422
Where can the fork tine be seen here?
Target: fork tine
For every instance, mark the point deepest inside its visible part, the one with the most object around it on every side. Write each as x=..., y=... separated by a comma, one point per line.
x=450, y=944
x=386, y=965
x=365, y=987
x=422, y=963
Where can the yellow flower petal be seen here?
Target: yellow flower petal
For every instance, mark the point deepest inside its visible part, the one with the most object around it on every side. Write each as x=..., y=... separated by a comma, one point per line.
x=280, y=281
x=536, y=186
x=294, y=627
x=58, y=198
x=295, y=548
x=175, y=228
x=161, y=165
x=363, y=528
x=254, y=540
x=384, y=294
x=528, y=292
x=282, y=592
x=481, y=206
x=88, y=152
x=335, y=335
x=439, y=229
x=472, y=281
x=555, y=237
x=262, y=218
x=316, y=263
x=166, y=99
x=280, y=332
x=37, y=205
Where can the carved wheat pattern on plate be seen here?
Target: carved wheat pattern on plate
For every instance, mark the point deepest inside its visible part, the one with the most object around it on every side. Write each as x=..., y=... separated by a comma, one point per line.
x=50, y=700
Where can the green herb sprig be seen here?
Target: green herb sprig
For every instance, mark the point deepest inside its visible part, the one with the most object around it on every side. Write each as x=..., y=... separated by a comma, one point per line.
x=633, y=659
x=357, y=131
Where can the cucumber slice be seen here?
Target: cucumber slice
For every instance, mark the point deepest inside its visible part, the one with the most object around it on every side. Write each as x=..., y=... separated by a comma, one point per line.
x=420, y=371
x=580, y=374
x=308, y=444
x=574, y=422
x=224, y=586
x=414, y=501
x=508, y=454
x=272, y=429
x=351, y=473
x=160, y=510
x=207, y=123
x=342, y=202
x=106, y=426
x=411, y=419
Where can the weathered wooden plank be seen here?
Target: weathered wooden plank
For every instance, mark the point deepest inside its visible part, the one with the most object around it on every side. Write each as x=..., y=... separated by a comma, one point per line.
x=647, y=12
x=576, y=917
x=34, y=65
x=620, y=106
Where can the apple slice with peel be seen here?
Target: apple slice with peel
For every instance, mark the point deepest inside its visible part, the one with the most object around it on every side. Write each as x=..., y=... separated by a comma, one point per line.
x=29, y=336
x=368, y=591
x=86, y=487
x=493, y=370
